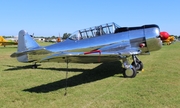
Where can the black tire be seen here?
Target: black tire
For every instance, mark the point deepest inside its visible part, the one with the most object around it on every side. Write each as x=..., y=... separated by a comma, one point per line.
x=129, y=73
x=139, y=66
x=34, y=66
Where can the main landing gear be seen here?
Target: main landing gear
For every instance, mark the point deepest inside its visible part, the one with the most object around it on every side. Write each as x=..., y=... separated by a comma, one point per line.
x=130, y=70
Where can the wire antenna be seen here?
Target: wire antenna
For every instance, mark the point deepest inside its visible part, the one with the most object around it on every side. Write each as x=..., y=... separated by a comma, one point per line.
x=66, y=85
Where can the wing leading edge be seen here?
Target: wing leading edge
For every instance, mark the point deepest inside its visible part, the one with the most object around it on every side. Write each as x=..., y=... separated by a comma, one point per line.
x=89, y=57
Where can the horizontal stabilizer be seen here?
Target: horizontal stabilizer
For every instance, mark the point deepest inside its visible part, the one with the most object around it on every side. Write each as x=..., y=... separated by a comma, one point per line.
x=38, y=50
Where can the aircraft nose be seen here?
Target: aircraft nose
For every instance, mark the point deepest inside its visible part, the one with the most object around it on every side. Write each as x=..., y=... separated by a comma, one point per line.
x=154, y=44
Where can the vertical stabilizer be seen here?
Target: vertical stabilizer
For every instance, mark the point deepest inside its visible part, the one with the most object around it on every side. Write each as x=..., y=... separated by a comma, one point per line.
x=2, y=40
x=25, y=42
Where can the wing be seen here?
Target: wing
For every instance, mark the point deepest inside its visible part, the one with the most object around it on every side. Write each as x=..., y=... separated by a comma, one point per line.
x=40, y=54
x=32, y=51
x=89, y=57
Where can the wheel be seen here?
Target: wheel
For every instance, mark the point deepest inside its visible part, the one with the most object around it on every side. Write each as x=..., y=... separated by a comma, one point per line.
x=129, y=73
x=34, y=66
x=139, y=65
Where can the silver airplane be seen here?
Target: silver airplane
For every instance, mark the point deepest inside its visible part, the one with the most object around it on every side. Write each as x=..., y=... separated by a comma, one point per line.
x=104, y=43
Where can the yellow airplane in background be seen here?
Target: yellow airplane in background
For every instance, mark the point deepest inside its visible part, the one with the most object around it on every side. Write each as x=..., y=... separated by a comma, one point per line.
x=169, y=40
x=166, y=38
x=4, y=42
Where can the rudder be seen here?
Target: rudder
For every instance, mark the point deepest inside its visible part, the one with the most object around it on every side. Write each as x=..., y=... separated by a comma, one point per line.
x=25, y=42
x=2, y=40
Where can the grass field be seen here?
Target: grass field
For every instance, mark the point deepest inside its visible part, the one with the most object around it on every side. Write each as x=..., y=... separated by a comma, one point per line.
x=91, y=85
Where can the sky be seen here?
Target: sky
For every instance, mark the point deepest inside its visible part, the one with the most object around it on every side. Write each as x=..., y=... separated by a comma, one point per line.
x=54, y=17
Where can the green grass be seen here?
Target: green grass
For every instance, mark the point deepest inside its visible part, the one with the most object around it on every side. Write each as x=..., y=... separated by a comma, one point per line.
x=91, y=85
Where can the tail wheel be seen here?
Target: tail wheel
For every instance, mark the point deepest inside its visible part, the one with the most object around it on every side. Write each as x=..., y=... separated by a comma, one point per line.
x=34, y=66
x=129, y=73
x=139, y=65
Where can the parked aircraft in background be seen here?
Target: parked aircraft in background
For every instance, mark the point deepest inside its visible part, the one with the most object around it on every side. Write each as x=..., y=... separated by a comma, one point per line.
x=4, y=42
x=166, y=38
x=59, y=38
x=98, y=44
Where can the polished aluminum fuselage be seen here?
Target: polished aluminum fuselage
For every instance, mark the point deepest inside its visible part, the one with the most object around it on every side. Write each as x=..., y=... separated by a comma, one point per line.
x=114, y=42
x=110, y=47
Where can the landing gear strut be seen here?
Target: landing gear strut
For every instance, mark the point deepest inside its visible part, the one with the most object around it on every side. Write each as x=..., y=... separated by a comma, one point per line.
x=34, y=66
x=137, y=63
x=130, y=70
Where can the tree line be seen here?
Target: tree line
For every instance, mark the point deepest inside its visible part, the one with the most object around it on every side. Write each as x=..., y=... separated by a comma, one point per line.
x=65, y=36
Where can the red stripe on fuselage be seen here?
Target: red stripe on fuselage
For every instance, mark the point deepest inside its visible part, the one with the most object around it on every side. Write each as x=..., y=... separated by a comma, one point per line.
x=94, y=51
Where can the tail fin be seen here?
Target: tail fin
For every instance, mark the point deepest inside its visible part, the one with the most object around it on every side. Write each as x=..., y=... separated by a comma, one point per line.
x=2, y=40
x=25, y=41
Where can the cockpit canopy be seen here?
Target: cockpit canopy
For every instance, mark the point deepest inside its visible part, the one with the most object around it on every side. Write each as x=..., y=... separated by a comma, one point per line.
x=108, y=28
